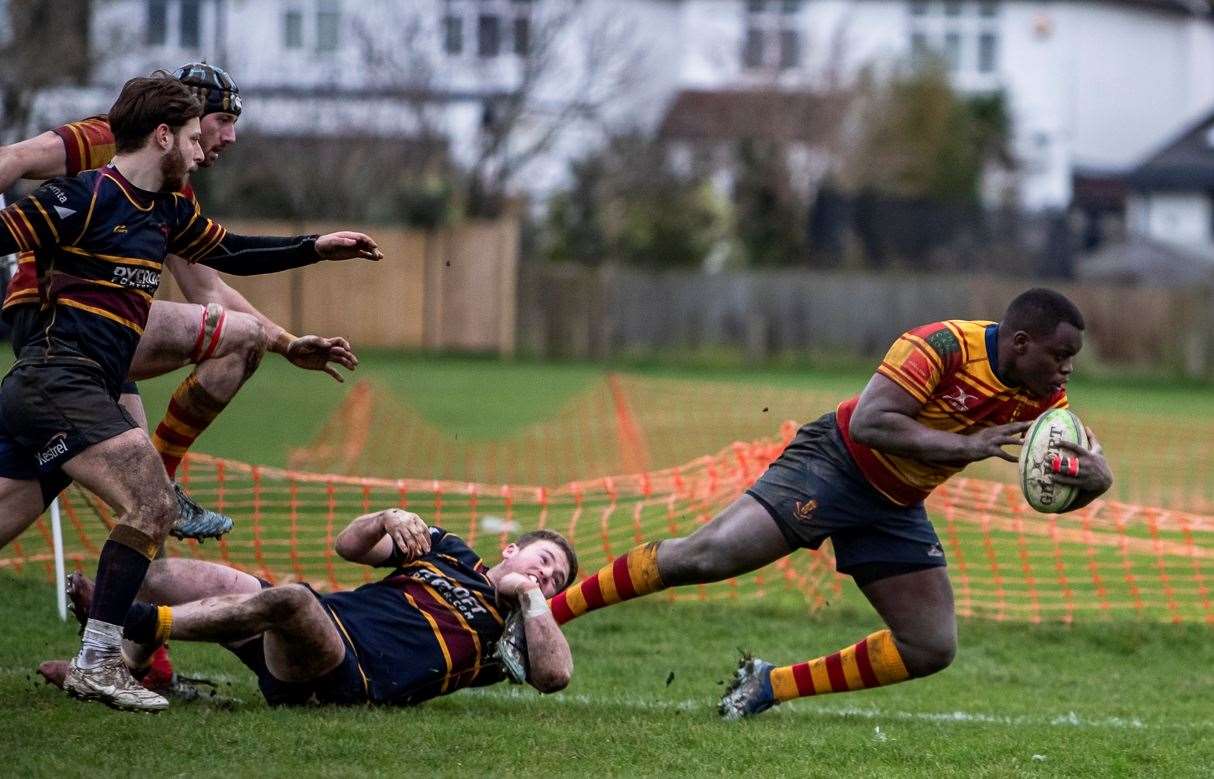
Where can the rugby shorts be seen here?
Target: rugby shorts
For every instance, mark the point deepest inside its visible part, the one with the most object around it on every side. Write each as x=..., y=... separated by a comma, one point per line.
x=814, y=491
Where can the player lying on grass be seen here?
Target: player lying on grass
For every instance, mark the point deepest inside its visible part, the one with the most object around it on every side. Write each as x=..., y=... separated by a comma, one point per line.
x=947, y=394
x=100, y=240
x=217, y=331
x=428, y=628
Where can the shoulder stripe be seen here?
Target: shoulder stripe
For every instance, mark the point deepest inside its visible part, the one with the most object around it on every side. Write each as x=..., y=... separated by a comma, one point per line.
x=49, y=223
x=114, y=258
x=926, y=349
x=897, y=376
x=126, y=192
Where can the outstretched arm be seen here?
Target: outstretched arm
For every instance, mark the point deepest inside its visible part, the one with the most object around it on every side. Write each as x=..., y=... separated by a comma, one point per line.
x=549, y=660
x=40, y=157
x=884, y=419
x=201, y=284
x=388, y=537
x=246, y=255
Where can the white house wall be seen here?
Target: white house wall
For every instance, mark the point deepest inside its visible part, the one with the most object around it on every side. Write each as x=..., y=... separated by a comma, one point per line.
x=1088, y=83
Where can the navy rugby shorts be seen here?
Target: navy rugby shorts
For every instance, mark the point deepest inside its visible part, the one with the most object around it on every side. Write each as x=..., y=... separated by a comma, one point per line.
x=814, y=491
x=50, y=411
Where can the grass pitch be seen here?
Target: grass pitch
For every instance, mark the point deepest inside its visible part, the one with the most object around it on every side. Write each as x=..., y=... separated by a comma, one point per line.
x=1102, y=699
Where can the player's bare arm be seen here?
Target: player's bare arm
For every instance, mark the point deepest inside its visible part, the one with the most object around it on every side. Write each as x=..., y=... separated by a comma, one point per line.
x=372, y=539
x=40, y=157
x=549, y=660
x=885, y=420
x=202, y=285
x=1095, y=477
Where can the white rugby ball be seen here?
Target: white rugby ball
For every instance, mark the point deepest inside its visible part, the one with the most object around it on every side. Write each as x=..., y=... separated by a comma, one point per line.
x=1040, y=447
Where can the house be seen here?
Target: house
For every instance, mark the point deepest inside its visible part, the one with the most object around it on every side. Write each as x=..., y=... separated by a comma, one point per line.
x=1091, y=84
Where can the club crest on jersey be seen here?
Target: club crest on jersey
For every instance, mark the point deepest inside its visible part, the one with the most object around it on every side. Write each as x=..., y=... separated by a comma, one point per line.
x=959, y=399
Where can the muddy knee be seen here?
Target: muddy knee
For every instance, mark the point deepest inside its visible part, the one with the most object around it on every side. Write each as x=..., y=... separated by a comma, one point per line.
x=244, y=341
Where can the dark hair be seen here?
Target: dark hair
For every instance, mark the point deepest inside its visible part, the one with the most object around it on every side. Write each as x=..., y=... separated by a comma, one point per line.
x=1039, y=311
x=147, y=102
x=526, y=539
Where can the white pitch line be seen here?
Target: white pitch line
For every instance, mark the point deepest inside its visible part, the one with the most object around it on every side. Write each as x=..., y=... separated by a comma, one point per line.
x=512, y=693
x=1069, y=719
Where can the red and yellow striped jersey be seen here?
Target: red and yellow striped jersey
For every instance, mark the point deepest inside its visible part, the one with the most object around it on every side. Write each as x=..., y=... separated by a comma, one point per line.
x=949, y=367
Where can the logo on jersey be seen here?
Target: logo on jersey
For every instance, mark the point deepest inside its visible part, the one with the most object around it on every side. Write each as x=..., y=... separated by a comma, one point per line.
x=56, y=447
x=805, y=511
x=59, y=194
x=959, y=400
x=120, y=229
x=137, y=278
x=460, y=598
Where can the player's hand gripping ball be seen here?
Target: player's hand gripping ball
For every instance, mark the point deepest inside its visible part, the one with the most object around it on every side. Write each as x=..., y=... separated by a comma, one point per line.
x=1042, y=457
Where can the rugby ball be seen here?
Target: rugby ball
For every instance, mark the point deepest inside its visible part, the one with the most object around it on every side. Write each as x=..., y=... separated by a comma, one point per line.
x=1039, y=449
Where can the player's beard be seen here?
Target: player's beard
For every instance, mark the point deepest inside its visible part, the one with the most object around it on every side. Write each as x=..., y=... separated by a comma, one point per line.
x=174, y=169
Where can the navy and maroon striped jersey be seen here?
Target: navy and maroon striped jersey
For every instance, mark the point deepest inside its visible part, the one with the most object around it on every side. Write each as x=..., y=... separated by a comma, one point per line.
x=99, y=244
x=426, y=629
x=87, y=144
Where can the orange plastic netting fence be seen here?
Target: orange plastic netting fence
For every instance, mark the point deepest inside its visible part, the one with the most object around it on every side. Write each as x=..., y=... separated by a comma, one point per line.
x=628, y=424
x=1109, y=560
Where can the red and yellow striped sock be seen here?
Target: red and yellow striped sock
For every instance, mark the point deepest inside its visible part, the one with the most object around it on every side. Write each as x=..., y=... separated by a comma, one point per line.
x=631, y=576
x=873, y=662
x=191, y=410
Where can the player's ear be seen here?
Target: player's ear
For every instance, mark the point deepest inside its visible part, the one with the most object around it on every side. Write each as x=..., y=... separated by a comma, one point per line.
x=510, y=551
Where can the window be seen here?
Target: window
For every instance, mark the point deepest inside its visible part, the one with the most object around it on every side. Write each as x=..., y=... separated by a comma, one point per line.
x=988, y=8
x=790, y=49
x=522, y=35
x=988, y=52
x=488, y=36
x=752, y=49
x=292, y=29
x=189, y=23
x=918, y=7
x=952, y=51
x=756, y=6
x=157, y=30
x=453, y=34
x=952, y=7
x=328, y=25
x=790, y=6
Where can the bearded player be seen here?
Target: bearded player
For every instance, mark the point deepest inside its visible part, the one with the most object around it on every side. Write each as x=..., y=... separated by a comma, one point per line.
x=218, y=331
x=947, y=394
x=100, y=240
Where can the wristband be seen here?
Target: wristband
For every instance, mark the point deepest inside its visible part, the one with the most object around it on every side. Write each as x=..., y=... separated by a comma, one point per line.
x=534, y=603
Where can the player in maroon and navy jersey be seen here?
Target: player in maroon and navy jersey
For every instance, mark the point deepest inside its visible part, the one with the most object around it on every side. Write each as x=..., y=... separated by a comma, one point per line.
x=100, y=240
x=218, y=331
x=428, y=628
x=947, y=394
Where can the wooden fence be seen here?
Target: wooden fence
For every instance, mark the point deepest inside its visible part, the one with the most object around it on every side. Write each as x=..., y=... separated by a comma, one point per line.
x=451, y=289
x=579, y=312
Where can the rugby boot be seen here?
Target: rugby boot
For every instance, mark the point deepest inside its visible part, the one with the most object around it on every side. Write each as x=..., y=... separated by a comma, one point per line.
x=511, y=649
x=193, y=521
x=750, y=692
x=112, y=684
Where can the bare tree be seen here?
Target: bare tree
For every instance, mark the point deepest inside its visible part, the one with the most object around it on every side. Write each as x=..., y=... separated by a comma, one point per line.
x=568, y=66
